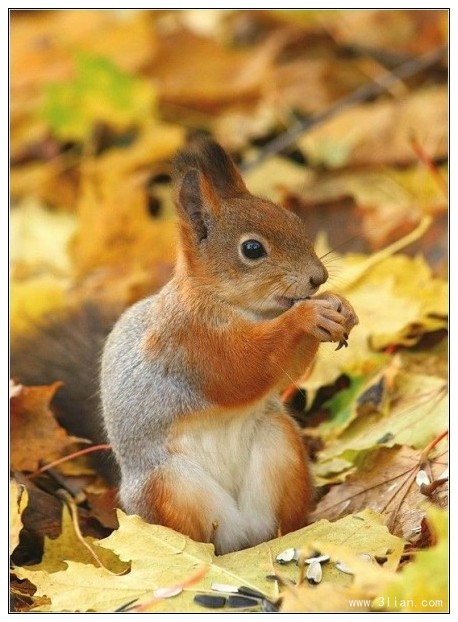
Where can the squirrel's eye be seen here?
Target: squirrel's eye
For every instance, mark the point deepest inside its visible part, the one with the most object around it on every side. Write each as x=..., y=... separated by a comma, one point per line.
x=252, y=249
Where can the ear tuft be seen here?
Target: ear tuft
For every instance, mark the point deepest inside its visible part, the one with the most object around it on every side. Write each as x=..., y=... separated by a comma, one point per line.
x=209, y=158
x=190, y=201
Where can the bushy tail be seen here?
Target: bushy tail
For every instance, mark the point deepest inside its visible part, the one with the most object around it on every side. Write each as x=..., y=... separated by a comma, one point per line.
x=67, y=347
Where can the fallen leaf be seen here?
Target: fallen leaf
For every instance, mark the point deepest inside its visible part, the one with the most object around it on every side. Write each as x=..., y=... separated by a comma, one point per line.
x=35, y=434
x=418, y=413
x=380, y=132
x=39, y=239
x=230, y=75
x=423, y=586
x=414, y=303
x=115, y=212
x=338, y=592
x=274, y=175
x=18, y=503
x=385, y=482
x=387, y=203
x=33, y=298
x=401, y=30
x=69, y=547
x=160, y=557
x=53, y=182
x=102, y=505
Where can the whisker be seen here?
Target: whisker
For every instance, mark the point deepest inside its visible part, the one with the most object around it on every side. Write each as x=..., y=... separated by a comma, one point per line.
x=355, y=237
x=289, y=377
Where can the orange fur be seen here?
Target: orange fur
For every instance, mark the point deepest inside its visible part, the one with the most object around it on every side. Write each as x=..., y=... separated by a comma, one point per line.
x=180, y=510
x=295, y=488
x=241, y=361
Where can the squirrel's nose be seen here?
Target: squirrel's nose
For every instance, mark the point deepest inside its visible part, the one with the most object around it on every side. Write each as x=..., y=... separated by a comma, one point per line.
x=319, y=277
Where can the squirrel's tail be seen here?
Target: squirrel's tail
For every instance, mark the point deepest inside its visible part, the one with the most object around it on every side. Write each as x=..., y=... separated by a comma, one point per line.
x=67, y=346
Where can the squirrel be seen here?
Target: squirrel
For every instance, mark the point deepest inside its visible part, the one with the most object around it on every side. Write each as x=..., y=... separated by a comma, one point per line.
x=191, y=376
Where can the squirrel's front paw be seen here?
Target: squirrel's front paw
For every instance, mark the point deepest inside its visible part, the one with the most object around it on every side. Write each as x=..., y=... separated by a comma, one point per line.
x=335, y=318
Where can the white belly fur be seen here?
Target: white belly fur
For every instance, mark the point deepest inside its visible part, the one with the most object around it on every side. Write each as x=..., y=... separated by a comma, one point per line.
x=230, y=466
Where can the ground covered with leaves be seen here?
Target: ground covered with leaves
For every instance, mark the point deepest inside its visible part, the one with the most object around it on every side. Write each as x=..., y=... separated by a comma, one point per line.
x=339, y=115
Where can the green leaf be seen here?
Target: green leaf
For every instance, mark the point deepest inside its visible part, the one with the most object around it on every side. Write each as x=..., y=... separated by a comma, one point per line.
x=417, y=414
x=341, y=408
x=99, y=92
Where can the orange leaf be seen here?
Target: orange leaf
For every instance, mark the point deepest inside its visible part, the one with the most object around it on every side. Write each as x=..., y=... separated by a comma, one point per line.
x=35, y=434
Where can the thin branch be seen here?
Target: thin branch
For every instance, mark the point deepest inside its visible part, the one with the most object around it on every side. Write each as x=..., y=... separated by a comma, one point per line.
x=75, y=454
x=361, y=94
x=74, y=517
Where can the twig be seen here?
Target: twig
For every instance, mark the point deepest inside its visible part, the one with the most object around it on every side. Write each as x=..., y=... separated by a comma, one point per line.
x=432, y=444
x=75, y=454
x=74, y=516
x=430, y=165
x=361, y=94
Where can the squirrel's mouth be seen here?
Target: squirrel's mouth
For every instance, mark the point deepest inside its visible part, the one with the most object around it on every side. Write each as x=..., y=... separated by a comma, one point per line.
x=286, y=303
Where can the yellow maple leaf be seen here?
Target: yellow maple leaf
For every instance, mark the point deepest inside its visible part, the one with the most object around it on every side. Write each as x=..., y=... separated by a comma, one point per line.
x=160, y=557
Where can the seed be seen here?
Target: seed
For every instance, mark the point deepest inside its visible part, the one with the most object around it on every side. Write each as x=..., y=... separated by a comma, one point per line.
x=125, y=606
x=422, y=478
x=287, y=556
x=248, y=591
x=321, y=559
x=237, y=602
x=168, y=592
x=366, y=557
x=444, y=474
x=212, y=602
x=314, y=573
x=224, y=587
x=343, y=568
x=268, y=606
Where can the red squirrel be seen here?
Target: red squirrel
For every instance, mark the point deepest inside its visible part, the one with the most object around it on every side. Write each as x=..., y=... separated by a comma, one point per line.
x=191, y=376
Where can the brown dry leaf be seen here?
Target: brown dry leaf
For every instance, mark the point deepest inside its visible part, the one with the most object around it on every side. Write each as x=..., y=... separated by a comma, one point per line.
x=385, y=482
x=380, y=132
x=401, y=30
x=231, y=75
x=35, y=434
x=53, y=182
x=103, y=505
x=310, y=85
x=386, y=203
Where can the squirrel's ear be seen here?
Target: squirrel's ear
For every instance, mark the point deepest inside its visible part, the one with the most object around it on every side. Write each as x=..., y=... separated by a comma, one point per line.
x=210, y=159
x=196, y=200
